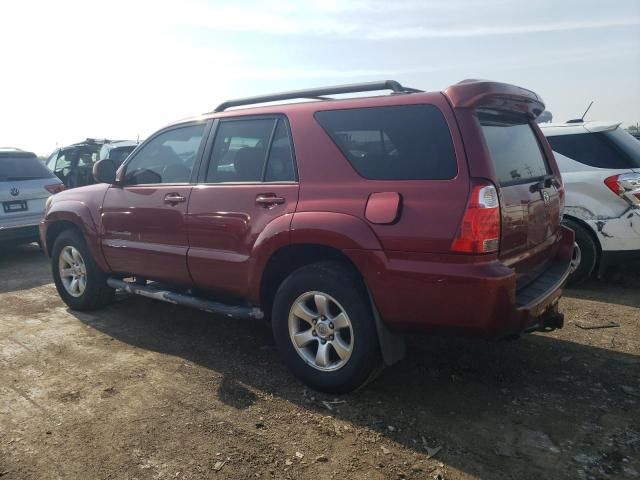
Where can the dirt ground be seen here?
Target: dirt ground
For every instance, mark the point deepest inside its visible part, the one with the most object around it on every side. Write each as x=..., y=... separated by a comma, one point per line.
x=145, y=390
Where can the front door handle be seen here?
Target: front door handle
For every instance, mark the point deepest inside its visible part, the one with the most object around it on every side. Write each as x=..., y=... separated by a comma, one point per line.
x=269, y=200
x=174, y=198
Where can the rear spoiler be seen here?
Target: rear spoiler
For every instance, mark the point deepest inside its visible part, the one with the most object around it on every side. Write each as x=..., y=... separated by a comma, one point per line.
x=495, y=95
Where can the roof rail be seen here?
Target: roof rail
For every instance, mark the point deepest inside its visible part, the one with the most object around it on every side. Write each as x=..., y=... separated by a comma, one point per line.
x=318, y=93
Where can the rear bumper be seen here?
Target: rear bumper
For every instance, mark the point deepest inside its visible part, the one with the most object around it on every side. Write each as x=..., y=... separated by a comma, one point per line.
x=446, y=293
x=19, y=234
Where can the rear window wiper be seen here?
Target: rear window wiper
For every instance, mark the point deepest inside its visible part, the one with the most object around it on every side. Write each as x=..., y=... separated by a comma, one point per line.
x=545, y=182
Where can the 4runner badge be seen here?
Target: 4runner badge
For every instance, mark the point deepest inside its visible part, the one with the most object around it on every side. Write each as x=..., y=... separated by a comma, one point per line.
x=14, y=191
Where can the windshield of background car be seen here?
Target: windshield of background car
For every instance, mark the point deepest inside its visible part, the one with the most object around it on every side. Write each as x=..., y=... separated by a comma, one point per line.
x=615, y=149
x=22, y=168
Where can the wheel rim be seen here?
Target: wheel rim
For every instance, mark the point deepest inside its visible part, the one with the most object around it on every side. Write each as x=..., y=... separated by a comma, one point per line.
x=73, y=271
x=576, y=257
x=320, y=331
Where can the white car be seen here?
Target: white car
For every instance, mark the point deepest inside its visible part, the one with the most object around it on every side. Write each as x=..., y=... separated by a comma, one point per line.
x=600, y=166
x=25, y=185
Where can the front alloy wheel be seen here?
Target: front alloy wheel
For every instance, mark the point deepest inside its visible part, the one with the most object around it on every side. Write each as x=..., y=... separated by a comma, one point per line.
x=73, y=271
x=79, y=280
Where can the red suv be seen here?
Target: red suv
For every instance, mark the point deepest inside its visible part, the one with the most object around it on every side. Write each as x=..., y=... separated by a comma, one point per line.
x=346, y=222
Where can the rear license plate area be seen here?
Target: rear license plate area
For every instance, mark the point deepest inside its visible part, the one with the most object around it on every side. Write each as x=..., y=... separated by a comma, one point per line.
x=15, y=206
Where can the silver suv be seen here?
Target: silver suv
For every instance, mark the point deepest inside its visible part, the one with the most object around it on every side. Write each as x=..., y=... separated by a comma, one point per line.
x=25, y=185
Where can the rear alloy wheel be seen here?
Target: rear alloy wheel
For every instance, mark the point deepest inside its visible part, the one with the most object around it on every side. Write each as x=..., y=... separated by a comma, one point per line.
x=323, y=327
x=585, y=255
x=321, y=331
x=79, y=280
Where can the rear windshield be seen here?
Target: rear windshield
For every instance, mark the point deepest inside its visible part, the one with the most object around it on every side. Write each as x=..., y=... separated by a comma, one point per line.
x=408, y=142
x=615, y=149
x=22, y=168
x=514, y=149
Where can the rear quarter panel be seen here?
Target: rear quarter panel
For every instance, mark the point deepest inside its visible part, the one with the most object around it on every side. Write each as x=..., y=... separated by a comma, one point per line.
x=431, y=210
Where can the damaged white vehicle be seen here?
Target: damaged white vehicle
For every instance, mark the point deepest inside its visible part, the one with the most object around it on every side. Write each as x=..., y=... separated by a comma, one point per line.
x=600, y=165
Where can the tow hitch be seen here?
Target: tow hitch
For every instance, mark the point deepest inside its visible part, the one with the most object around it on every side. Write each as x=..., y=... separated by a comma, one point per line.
x=551, y=320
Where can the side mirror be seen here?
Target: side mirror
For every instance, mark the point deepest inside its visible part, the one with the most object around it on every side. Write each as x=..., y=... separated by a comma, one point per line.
x=104, y=171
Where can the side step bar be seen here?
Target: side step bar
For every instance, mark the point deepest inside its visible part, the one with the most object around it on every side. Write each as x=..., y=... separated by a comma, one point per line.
x=149, y=291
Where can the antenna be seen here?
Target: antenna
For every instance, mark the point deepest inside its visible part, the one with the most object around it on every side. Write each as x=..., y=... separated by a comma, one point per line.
x=581, y=119
x=585, y=112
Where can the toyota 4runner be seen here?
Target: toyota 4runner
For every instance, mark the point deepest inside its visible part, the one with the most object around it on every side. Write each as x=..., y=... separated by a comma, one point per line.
x=346, y=222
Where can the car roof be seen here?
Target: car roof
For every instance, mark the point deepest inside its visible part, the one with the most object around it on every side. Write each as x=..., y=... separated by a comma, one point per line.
x=309, y=105
x=467, y=93
x=576, y=128
x=15, y=152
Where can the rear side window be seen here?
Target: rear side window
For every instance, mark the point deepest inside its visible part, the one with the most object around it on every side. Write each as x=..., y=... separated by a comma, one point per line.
x=514, y=149
x=22, y=168
x=252, y=150
x=600, y=150
x=406, y=142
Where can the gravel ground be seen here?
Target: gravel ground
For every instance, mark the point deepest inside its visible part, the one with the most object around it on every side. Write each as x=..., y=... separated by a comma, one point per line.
x=144, y=390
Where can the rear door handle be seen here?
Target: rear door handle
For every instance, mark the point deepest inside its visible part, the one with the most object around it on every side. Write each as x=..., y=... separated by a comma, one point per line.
x=173, y=198
x=268, y=200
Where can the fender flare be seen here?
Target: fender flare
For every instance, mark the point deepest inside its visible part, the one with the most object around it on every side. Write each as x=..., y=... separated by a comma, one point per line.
x=340, y=231
x=78, y=214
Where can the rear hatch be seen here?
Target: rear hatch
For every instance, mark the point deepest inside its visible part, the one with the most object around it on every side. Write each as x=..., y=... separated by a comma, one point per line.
x=505, y=146
x=23, y=192
x=530, y=192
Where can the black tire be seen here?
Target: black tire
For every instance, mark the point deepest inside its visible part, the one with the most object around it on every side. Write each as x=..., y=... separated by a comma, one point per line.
x=96, y=293
x=345, y=287
x=588, y=253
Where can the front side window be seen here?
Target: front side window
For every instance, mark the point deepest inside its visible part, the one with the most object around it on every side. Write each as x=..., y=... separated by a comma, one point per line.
x=408, y=142
x=167, y=158
x=514, y=149
x=252, y=150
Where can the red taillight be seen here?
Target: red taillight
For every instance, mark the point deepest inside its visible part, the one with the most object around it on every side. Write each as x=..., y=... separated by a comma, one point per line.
x=614, y=186
x=626, y=186
x=480, y=228
x=54, y=188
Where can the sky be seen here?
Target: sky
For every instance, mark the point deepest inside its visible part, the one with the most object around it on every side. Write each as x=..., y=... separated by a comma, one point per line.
x=125, y=68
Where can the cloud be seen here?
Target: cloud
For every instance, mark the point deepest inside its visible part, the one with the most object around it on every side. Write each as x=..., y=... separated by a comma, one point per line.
x=494, y=30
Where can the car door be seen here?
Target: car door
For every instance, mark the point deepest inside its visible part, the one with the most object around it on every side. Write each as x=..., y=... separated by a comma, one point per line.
x=144, y=231
x=249, y=179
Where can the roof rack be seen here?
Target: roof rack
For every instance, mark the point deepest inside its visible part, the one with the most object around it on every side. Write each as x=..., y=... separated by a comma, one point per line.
x=319, y=93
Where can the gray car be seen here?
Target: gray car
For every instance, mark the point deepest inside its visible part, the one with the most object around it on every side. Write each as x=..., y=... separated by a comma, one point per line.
x=25, y=185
